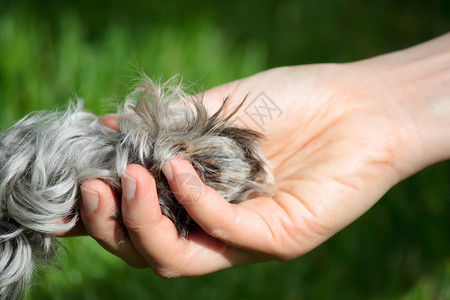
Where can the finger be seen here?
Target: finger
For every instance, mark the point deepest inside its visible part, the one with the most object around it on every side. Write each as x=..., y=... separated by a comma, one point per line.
x=77, y=230
x=99, y=211
x=234, y=224
x=153, y=234
x=156, y=237
x=110, y=120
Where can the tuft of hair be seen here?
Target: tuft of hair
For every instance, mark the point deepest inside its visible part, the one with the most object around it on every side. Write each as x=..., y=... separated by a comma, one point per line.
x=47, y=155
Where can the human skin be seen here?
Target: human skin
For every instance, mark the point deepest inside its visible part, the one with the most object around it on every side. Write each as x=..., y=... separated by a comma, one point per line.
x=347, y=134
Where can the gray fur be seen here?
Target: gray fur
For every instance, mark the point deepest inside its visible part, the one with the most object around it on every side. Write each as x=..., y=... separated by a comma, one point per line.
x=46, y=156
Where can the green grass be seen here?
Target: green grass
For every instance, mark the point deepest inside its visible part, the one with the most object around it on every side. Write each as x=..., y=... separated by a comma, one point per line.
x=59, y=50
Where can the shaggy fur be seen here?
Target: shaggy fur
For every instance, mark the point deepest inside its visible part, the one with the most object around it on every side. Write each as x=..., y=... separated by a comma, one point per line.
x=47, y=155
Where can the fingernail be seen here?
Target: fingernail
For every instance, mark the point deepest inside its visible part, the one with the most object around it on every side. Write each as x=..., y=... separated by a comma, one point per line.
x=128, y=187
x=90, y=200
x=167, y=170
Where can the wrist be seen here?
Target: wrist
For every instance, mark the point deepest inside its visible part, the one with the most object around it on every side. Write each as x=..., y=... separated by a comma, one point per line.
x=417, y=82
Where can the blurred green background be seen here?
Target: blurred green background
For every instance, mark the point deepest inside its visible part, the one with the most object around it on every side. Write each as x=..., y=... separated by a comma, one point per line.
x=51, y=51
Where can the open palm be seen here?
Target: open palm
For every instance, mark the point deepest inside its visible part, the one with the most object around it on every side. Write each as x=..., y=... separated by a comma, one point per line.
x=332, y=150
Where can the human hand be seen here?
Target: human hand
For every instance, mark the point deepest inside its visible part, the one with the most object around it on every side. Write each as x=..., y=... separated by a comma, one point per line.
x=346, y=135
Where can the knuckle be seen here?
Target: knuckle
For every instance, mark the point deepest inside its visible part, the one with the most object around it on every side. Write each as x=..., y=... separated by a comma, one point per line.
x=218, y=233
x=133, y=226
x=100, y=236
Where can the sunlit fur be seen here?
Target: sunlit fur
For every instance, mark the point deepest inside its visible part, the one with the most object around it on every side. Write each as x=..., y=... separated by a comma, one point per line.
x=47, y=155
